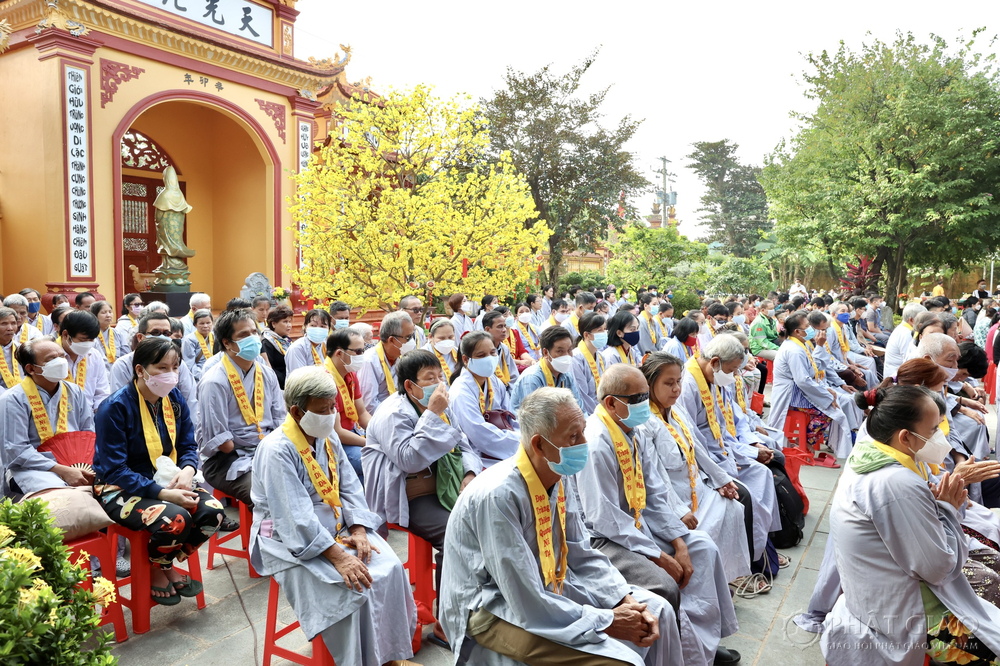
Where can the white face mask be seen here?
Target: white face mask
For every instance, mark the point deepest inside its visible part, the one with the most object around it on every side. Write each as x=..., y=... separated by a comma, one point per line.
x=81, y=348
x=723, y=379
x=319, y=426
x=949, y=372
x=408, y=346
x=56, y=369
x=445, y=347
x=467, y=307
x=562, y=316
x=935, y=449
x=563, y=364
x=524, y=317
x=353, y=363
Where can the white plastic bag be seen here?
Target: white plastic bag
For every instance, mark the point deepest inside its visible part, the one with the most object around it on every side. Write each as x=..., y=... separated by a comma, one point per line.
x=166, y=470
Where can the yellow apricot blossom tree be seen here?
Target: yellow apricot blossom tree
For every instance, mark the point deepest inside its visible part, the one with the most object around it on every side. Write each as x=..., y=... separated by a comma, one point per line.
x=405, y=201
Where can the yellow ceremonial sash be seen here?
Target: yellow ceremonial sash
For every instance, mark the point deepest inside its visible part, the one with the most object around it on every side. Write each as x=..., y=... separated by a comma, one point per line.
x=818, y=374
x=550, y=381
x=10, y=377
x=485, y=395
x=573, y=319
x=596, y=362
x=741, y=396
x=708, y=401
x=512, y=341
x=24, y=332
x=206, y=345
x=251, y=415
x=328, y=487
x=906, y=461
x=945, y=426
x=81, y=373
x=152, y=434
x=132, y=320
x=695, y=351
x=38, y=323
x=444, y=363
x=390, y=385
x=687, y=448
x=41, y=418
x=317, y=359
x=502, y=372
x=526, y=336
x=543, y=523
x=649, y=325
x=350, y=410
x=552, y=320
x=635, y=487
x=109, y=346
x=842, y=338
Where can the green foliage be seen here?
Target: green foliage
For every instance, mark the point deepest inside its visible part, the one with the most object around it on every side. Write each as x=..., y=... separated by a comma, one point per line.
x=578, y=170
x=739, y=276
x=734, y=200
x=585, y=279
x=45, y=618
x=662, y=257
x=899, y=160
x=685, y=298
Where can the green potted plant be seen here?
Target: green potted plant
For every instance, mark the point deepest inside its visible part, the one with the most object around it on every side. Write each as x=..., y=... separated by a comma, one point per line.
x=45, y=616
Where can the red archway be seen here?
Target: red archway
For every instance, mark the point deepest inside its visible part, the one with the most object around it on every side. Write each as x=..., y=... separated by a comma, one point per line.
x=226, y=107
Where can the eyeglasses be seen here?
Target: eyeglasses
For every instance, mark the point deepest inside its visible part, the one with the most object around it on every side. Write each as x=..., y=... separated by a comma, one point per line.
x=355, y=352
x=633, y=399
x=415, y=311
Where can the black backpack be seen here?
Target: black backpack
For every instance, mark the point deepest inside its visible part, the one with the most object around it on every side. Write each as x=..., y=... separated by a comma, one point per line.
x=790, y=508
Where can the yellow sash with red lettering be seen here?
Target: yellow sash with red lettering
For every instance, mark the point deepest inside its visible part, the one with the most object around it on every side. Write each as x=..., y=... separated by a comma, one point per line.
x=540, y=505
x=595, y=361
x=328, y=487
x=502, y=372
x=109, y=345
x=708, y=400
x=252, y=415
x=818, y=374
x=81, y=373
x=390, y=385
x=649, y=325
x=444, y=363
x=317, y=359
x=485, y=396
x=635, y=487
x=206, y=345
x=350, y=410
x=842, y=337
x=10, y=377
x=526, y=336
x=38, y=414
x=686, y=445
x=152, y=434
x=550, y=381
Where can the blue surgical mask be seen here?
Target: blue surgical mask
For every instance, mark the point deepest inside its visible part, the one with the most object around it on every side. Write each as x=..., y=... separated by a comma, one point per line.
x=428, y=392
x=601, y=339
x=249, y=348
x=33, y=308
x=637, y=414
x=572, y=459
x=740, y=319
x=810, y=333
x=843, y=317
x=632, y=338
x=317, y=335
x=510, y=322
x=341, y=323
x=954, y=310
x=483, y=367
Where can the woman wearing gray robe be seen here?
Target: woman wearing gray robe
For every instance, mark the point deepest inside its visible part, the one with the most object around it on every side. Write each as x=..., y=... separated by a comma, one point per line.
x=342, y=580
x=492, y=564
x=887, y=519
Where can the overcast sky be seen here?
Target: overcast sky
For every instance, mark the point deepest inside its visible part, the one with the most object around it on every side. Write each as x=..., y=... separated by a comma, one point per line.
x=695, y=71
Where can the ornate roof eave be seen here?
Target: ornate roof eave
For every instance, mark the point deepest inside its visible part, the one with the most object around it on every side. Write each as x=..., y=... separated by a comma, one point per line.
x=341, y=93
x=106, y=16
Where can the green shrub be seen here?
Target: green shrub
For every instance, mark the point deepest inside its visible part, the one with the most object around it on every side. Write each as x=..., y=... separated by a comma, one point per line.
x=684, y=298
x=584, y=279
x=45, y=617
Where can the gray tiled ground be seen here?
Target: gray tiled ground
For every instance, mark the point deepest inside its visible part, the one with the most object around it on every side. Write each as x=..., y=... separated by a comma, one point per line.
x=220, y=635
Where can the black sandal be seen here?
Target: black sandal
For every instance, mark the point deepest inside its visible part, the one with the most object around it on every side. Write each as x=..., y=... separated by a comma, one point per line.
x=170, y=599
x=189, y=587
x=229, y=525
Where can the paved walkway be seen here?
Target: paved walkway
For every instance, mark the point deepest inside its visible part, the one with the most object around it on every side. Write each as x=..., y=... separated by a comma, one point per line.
x=221, y=635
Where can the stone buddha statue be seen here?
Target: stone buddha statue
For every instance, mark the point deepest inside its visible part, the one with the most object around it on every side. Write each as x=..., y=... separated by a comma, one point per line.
x=171, y=211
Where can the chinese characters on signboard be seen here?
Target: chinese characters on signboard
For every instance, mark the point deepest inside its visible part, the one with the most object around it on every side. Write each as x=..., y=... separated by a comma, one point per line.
x=78, y=172
x=305, y=144
x=239, y=18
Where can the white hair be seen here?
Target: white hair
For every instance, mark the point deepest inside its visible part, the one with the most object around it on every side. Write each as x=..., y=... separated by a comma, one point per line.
x=362, y=329
x=199, y=298
x=935, y=344
x=911, y=311
x=392, y=325
x=312, y=381
x=15, y=299
x=540, y=410
x=726, y=348
x=154, y=306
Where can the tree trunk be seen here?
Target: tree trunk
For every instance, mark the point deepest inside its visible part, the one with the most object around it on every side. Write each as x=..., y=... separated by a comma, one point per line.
x=895, y=281
x=555, y=258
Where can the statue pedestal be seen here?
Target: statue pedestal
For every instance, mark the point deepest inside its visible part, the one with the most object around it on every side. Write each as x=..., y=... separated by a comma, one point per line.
x=178, y=301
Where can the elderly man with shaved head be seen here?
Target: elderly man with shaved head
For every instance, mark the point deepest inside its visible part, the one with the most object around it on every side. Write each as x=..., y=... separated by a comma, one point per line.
x=632, y=514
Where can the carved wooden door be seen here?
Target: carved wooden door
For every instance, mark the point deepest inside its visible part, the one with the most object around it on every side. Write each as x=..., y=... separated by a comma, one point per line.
x=139, y=226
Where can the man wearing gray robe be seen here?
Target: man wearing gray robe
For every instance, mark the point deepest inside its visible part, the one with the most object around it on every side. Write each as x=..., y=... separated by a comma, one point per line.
x=342, y=580
x=154, y=325
x=497, y=607
x=855, y=354
x=22, y=464
x=226, y=441
x=396, y=337
x=651, y=547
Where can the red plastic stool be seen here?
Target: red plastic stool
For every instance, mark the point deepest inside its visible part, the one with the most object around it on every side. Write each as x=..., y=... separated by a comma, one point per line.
x=215, y=542
x=141, y=601
x=794, y=459
x=320, y=656
x=770, y=369
x=98, y=545
x=795, y=430
x=420, y=565
x=991, y=384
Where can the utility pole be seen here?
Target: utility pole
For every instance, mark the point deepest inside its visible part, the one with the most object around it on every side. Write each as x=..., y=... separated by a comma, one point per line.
x=668, y=199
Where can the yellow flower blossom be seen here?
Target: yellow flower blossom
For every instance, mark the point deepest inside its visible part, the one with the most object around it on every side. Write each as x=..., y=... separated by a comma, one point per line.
x=83, y=560
x=104, y=590
x=6, y=534
x=22, y=555
x=408, y=203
